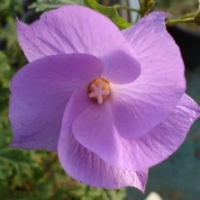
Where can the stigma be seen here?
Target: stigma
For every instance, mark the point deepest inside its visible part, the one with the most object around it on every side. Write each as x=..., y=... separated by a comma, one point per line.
x=99, y=90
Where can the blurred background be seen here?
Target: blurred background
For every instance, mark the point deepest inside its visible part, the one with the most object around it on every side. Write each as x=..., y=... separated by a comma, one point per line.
x=37, y=174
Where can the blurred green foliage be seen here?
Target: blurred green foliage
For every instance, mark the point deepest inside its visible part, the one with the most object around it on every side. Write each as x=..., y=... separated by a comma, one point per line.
x=30, y=174
x=111, y=12
x=41, y=5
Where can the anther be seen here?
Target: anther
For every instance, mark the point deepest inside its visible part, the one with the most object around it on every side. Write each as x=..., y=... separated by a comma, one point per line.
x=99, y=90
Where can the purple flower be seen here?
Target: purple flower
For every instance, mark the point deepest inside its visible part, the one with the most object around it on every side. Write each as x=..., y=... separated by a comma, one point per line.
x=111, y=103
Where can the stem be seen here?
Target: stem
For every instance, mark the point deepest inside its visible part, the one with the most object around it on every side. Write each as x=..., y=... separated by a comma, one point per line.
x=190, y=15
x=140, y=2
x=179, y=21
x=118, y=6
x=142, y=10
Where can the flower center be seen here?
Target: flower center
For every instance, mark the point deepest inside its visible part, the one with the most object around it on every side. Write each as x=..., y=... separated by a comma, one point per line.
x=99, y=90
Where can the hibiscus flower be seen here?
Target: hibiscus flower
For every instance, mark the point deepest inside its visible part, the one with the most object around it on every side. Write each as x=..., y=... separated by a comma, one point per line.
x=112, y=103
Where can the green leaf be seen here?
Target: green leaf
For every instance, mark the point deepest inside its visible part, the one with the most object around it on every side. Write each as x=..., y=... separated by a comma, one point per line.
x=110, y=12
x=41, y=5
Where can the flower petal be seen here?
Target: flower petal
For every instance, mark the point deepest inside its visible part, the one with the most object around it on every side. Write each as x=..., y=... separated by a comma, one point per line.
x=97, y=133
x=91, y=124
x=154, y=94
x=93, y=128
x=40, y=92
x=164, y=139
x=84, y=165
x=61, y=31
x=88, y=168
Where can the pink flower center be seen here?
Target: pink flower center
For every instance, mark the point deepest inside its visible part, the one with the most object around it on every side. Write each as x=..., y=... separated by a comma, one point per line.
x=99, y=90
